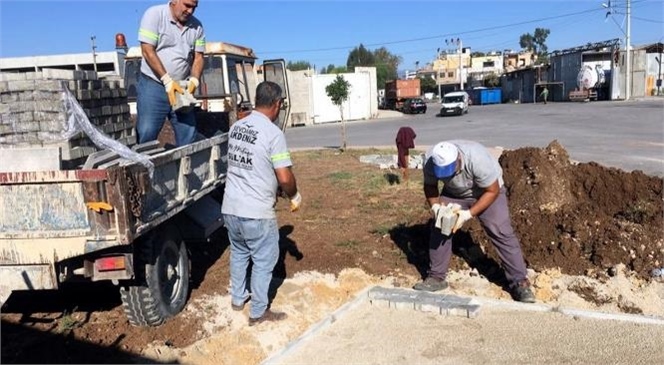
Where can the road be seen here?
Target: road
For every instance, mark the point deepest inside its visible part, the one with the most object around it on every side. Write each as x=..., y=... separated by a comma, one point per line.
x=627, y=135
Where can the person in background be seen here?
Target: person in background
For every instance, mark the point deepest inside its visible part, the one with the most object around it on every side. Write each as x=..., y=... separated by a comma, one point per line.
x=405, y=140
x=172, y=45
x=472, y=178
x=259, y=165
x=544, y=95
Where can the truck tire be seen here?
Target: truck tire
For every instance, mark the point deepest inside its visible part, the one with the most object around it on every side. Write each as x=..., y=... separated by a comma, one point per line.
x=161, y=288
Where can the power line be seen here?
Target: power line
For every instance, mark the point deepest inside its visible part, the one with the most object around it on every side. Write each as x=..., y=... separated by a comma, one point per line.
x=648, y=20
x=444, y=35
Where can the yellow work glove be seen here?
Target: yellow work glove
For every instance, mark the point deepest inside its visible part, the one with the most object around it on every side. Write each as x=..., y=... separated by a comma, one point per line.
x=193, y=85
x=295, y=202
x=171, y=88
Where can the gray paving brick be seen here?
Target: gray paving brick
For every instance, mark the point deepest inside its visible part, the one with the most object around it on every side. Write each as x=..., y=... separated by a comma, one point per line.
x=34, y=75
x=12, y=76
x=4, y=87
x=26, y=95
x=49, y=85
x=444, y=304
x=8, y=98
x=20, y=85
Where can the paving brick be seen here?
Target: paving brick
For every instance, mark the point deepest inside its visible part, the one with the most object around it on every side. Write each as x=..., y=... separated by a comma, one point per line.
x=26, y=95
x=49, y=85
x=12, y=76
x=8, y=98
x=4, y=87
x=380, y=303
x=20, y=85
x=30, y=159
x=35, y=75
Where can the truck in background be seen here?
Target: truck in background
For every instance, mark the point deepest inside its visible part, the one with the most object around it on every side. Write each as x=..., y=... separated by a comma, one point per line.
x=591, y=84
x=397, y=91
x=110, y=218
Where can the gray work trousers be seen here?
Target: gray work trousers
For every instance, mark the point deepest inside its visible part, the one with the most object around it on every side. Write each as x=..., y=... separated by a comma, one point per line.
x=496, y=223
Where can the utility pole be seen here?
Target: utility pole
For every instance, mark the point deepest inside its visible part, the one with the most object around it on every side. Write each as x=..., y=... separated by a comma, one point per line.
x=459, y=44
x=438, y=74
x=628, y=51
x=94, y=52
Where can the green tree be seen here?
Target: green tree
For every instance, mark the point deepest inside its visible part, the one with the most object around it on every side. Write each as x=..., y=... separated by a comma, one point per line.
x=338, y=92
x=387, y=65
x=536, y=43
x=491, y=80
x=360, y=56
x=428, y=85
x=477, y=54
x=298, y=65
x=332, y=69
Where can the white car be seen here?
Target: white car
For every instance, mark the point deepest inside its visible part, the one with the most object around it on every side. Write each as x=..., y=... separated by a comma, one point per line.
x=455, y=103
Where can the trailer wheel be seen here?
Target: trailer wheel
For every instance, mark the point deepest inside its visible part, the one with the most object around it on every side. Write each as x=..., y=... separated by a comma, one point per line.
x=162, y=281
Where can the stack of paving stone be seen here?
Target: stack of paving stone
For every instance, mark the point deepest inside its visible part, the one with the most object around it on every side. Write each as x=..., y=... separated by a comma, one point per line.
x=33, y=114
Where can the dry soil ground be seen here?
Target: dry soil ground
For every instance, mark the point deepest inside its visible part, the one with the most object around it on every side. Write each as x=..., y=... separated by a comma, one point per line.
x=590, y=235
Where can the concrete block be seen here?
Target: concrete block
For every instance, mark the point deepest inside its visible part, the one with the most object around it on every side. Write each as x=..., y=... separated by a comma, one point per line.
x=123, y=93
x=6, y=129
x=49, y=85
x=106, y=110
x=26, y=95
x=106, y=93
x=83, y=95
x=5, y=108
x=12, y=76
x=35, y=75
x=455, y=299
x=90, y=75
x=8, y=98
x=49, y=106
x=4, y=87
x=380, y=303
x=95, y=84
x=52, y=126
x=29, y=159
x=20, y=85
x=39, y=95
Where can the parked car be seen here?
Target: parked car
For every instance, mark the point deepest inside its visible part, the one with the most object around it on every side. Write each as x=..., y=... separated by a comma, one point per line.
x=414, y=106
x=455, y=103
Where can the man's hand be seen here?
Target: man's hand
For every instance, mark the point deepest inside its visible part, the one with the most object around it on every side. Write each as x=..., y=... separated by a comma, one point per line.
x=193, y=85
x=464, y=216
x=171, y=88
x=295, y=202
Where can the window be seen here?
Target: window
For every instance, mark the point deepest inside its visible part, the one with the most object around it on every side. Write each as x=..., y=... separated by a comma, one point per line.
x=488, y=64
x=450, y=74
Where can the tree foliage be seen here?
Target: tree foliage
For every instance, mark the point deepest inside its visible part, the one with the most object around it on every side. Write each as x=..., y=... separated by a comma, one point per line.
x=536, y=43
x=491, y=80
x=332, y=69
x=360, y=56
x=338, y=92
x=298, y=65
x=428, y=84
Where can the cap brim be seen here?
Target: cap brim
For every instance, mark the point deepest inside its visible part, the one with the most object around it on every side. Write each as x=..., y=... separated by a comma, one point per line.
x=442, y=172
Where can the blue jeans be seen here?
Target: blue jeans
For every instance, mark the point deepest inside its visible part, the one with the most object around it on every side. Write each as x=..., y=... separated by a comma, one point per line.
x=152, y=108
x=256, y=240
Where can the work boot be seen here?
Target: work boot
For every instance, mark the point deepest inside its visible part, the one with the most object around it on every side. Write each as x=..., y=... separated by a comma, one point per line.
x=523, y=293
x=431, y=284
x=268, y=316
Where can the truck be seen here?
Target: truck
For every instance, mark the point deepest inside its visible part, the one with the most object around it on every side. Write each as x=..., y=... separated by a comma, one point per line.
x=397, y=91
x=109, y=217
x=590, y=82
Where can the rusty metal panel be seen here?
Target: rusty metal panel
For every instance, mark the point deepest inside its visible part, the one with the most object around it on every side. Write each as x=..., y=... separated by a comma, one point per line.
x=51, y=176
x=54, y=209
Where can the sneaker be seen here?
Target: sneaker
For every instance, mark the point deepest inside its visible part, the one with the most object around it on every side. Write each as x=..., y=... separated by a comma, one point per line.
x=268, y=316
x=523, y=293
x=431, y=284
x=239, y=307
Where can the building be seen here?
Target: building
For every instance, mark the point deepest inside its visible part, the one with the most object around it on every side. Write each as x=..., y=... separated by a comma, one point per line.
x=482, y=66
x=105, y=63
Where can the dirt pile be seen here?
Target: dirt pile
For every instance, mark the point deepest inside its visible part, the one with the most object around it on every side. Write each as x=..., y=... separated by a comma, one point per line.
x=583, y=218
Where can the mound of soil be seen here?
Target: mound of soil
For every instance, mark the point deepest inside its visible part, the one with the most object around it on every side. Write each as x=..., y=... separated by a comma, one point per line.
x=583, y=217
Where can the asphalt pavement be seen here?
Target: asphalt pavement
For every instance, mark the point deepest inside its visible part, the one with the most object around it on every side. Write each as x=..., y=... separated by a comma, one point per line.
x=623, y=134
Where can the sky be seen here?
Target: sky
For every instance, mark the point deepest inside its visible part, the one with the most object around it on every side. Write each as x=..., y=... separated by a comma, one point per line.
x=324, y=32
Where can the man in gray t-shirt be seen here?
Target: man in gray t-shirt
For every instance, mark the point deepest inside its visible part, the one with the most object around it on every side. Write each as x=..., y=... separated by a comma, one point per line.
x=472, y=179
x=172, y=45
x=258, y=165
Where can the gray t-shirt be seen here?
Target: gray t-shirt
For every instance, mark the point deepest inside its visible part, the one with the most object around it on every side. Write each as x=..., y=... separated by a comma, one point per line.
x=479, y=169
x=256, y=147
x=175, y=47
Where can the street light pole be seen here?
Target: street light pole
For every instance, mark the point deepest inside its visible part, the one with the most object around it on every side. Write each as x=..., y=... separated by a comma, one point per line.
x=628, y=51
x=94, y=52
x=460, y=42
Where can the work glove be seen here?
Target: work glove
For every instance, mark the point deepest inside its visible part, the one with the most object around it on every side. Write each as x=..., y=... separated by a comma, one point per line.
x=192, y=85
x=295, y=202
x=464, y=216
x=171, y=88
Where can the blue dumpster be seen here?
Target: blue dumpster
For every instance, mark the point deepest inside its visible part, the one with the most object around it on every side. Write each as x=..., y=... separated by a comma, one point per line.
x=487, y=96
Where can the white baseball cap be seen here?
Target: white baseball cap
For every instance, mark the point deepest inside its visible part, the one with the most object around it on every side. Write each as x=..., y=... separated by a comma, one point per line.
x=444, y=157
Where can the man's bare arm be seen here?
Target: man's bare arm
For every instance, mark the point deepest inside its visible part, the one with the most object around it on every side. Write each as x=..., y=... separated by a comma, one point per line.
x=150, y=56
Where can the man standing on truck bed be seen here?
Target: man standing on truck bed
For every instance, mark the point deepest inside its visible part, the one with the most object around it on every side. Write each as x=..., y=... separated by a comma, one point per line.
x=258, y=165
x=172, y=44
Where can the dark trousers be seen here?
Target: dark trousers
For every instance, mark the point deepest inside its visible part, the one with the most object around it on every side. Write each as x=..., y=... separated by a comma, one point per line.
x=496, y=223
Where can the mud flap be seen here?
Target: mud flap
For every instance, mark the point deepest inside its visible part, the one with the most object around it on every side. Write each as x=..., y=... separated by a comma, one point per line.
x=206, y=214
